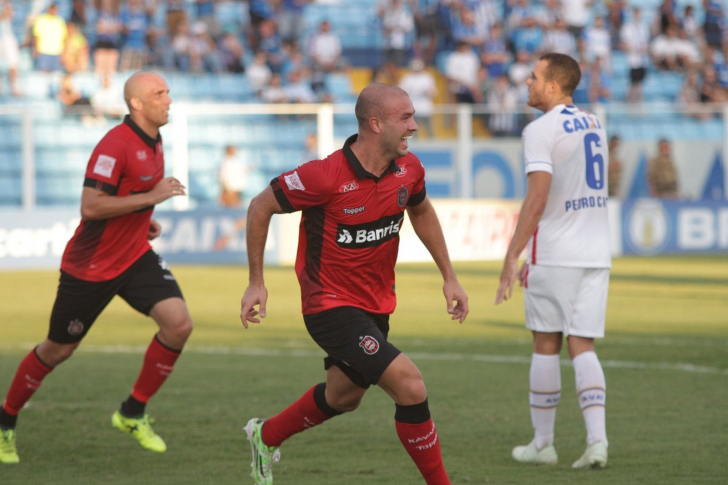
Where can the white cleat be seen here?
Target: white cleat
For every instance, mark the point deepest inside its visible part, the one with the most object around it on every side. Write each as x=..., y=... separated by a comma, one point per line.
x=529, y=454
x=595, y=456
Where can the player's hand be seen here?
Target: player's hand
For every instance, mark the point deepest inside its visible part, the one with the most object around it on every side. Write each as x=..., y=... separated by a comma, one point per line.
x=254, y=295
x=455, y=293
x=508, y=276
x=166, y=188
x=523, y=274
x=155, y=229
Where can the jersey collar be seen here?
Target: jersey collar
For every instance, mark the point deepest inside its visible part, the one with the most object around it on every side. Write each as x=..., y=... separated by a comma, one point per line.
x=356, y=165
x=152, y=142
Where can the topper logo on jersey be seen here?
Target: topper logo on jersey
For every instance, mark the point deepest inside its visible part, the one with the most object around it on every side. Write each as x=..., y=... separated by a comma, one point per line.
x=348, y=187
x=370, y=234
x=369, y=344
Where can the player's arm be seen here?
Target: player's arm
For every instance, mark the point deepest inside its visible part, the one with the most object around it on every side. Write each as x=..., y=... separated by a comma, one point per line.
x=96, y=204
x=260, y=212
x=537, y=193
x=427, y=227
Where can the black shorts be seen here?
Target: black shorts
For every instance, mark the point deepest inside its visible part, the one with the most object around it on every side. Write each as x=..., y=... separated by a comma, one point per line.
x=79, y=302
x=355, y=341
x=637, y=75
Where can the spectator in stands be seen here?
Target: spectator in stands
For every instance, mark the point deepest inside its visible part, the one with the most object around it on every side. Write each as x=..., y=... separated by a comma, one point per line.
x=689, y=97
x=672, y=52
x=273, y=92
x=634, y=41
x=298, y=89
x=599, y=82
x=387, y=73
x=177, y=54
x=205, y=13
x=575, y=14
x=203, y=51
x=108, y=39
x=461, y=70
x=107, y=100
x=711, y=92
x=429, y=28
x=77, y=54
x=558, y=39
x=721, y=66
x=422, y=89
x=614, y=20
x=135, y=23
x=662, y=174
x=9, y=51
x=73, y=102
x=258, y=73
x=714, y=23
x=233, y=175
x=176, y=15
x=49, y=40
x=519, y=71
x=232, y=51
x=290, y=19
x=78, y=13
x=598, y=43
x=398, y=25
x=495, y=56
x=269, y=41
x=324, y=49
x=690, y=25
x=502, y=108
x=465, y=29
x=614, y=174
x=664, y=17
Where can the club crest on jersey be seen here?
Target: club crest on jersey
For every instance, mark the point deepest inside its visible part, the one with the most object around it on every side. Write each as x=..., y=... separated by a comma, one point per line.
x=402, y=194
x=348, y=187
x=75, y=327
x=141, y=155
x=104, y=165
x=369, y=344
x=401, y=171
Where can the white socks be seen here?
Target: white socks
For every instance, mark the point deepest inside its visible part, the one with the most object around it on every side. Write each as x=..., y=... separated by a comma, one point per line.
x=591, y=388
x=545, y=382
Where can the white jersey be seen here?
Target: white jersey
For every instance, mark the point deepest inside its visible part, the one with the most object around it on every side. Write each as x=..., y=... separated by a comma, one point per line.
x=571, y=144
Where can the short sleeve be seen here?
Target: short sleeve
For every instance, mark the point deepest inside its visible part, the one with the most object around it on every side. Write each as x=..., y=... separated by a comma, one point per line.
x=419, y=192
x=309, y=185
x=537, y=145
x=106, y=166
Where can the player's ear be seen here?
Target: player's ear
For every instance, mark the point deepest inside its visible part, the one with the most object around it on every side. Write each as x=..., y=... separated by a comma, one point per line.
x=135, y=103
x=375, y=124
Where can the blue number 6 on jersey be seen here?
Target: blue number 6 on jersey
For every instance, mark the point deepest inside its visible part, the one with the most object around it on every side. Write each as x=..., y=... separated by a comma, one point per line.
x=594, y=162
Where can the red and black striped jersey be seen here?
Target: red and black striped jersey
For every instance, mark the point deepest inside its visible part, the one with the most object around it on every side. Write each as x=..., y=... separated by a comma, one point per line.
x=349, y=232
x=126, y=161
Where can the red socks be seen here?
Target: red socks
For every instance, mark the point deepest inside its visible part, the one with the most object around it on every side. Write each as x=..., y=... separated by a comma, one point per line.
x=28, y=378
x=158, y=365
x=421, y=442
x=310, y=410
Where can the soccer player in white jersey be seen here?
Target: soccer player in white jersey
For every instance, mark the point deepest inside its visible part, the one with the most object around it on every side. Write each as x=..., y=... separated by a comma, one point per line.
x=563, y=220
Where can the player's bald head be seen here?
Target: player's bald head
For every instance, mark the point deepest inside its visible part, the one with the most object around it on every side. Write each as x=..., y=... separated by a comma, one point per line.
x=139, y=84
x=374, y=100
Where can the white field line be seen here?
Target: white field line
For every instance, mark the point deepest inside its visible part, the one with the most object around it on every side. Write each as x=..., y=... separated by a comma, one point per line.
x=415, y=356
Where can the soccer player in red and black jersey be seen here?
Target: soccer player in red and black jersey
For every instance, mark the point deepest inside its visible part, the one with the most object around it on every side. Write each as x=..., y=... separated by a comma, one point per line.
x=110, y=255
x=353, y=204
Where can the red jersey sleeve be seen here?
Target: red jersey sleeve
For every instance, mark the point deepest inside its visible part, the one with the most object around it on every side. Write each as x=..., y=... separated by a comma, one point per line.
x=418, y=191
x=106, y=166
x=308, y=185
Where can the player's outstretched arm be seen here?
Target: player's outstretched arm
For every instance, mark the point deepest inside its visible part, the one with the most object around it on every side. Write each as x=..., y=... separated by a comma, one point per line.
x=98, y=205
x=260, y=211
x=427, y=227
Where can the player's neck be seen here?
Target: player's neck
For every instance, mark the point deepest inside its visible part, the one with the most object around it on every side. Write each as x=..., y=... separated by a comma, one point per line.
x=370, y=160
x=149, y=128
x=567, y=100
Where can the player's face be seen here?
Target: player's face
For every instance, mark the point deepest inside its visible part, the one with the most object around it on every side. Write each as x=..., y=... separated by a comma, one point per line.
x=538, y=86
x=399, y=126
x=155, y=103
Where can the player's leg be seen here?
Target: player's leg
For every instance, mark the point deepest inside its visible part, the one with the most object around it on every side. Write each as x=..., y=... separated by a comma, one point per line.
x=589, y=323
x=416, y=430
x=151, y=289
x=78, y=303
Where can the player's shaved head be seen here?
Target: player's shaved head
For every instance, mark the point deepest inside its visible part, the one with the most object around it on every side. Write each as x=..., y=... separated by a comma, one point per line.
x=374, y=100
x=139, y=84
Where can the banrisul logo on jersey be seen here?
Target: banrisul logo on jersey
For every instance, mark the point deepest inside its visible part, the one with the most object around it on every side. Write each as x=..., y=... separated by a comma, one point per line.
x=370, y=234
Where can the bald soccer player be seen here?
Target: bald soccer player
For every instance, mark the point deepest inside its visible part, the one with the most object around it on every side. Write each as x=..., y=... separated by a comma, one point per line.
x=110, y=255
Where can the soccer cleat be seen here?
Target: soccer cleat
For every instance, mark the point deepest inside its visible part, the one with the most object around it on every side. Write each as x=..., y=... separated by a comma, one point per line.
x=263, y=455
x=8, y=452
x=529, y=454
x=141, y=429
x=595, y=456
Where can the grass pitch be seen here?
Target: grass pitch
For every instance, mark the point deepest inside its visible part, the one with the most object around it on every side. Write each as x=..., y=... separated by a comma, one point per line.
x=665, y=358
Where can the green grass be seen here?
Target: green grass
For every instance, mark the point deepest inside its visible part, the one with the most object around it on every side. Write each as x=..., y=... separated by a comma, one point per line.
x=665, y=359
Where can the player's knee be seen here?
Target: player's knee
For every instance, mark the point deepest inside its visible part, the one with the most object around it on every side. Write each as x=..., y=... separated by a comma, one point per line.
x=345, y=403
x=411, y=390
x=52, y=353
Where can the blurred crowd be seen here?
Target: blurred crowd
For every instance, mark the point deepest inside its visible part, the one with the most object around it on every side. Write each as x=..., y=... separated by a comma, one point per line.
x=484, y=48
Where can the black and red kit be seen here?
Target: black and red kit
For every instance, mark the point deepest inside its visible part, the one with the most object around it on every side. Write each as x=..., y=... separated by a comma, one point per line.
x=349, y=232
x=126, y=161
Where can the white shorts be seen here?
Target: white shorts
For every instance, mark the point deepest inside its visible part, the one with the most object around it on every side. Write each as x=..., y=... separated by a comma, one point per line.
x=568, y=300
x=9, y=54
